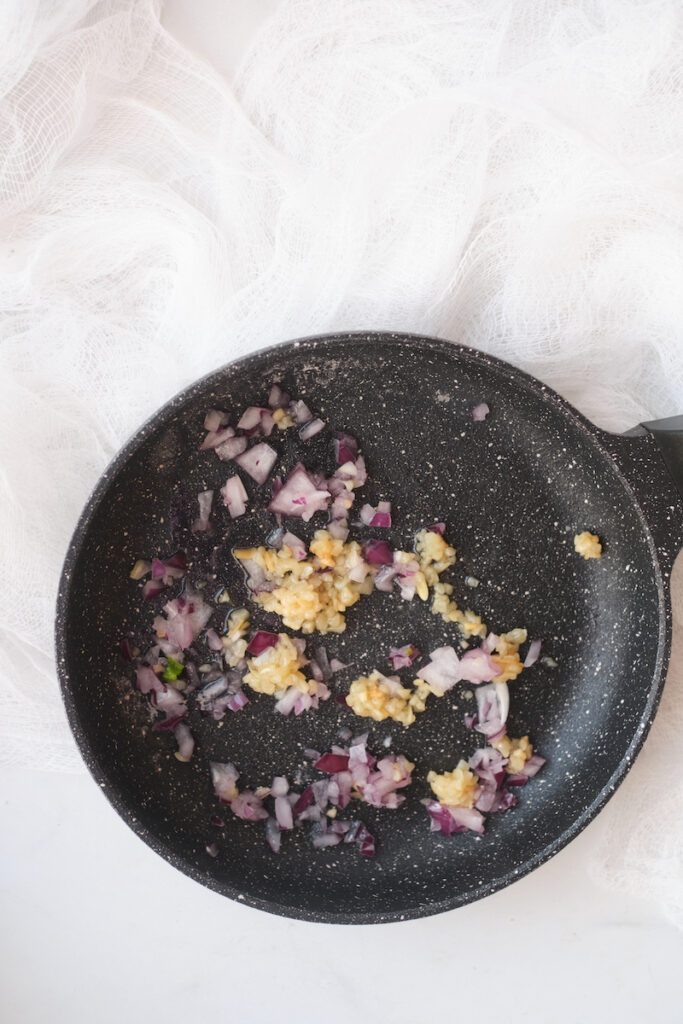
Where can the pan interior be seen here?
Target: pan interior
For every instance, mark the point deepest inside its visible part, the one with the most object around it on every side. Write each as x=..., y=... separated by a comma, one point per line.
x=512, y=490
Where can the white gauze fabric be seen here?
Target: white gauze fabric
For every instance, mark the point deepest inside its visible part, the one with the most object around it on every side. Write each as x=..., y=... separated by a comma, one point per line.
x=505, y=175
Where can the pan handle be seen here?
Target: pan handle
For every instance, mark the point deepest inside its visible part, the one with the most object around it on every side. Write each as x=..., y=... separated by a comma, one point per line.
x=668, y=436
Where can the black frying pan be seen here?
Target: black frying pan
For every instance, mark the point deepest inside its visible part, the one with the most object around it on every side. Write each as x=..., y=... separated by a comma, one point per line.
x=513, y=491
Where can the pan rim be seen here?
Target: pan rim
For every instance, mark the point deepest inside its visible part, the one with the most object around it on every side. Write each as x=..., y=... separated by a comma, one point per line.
x=427, y=909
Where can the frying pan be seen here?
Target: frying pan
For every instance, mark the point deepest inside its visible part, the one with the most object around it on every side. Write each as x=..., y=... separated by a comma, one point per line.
x=513, y=491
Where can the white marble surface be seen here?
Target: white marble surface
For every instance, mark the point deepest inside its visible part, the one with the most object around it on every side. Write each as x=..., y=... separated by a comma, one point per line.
x=96, y=928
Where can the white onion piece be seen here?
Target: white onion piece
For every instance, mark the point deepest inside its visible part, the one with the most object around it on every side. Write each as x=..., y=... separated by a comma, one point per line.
x=234, y=496
x=258, y=461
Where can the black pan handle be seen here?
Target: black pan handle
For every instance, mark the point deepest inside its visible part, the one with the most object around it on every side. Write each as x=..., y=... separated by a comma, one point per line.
x=668, y=436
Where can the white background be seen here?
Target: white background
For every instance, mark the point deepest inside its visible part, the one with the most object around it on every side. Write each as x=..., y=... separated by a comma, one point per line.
x=97, y=928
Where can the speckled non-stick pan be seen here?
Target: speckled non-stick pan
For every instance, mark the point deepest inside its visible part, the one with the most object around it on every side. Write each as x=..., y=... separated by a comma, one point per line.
x=513, y=491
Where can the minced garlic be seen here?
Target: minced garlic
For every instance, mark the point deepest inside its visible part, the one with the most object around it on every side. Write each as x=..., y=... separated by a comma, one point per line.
x=517, y=752
x=277, y=668
x=435, y=555
x=282, y=419
x=458, y=788
x=510, y=666
x=588, y=545
x=506, y=657
x=234, y=641
x=312, y=594
x=375, y=697
x=470, y=623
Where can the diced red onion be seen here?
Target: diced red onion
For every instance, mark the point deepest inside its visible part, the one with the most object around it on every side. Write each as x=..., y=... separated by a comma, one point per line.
x=533, y=653
x=471, y=721
x=345, y=448
x=185, y=618
x=336, y=665
x=218, y=822
x=402, y=657
x=480, y=412
x=332, y=763
x=273, y=837
x=445, y=668
x=258, y=461
x=248, y=806
x=338, y=529
x=299, y=496
x=279, y=786
x=304, y=801
x=152, y=588
x=170, y=701
x=489, y=644
x=237, y=701
x=215, y=419
x=176, y=565
x=300, y=412
x=147, y=681
x=517, y=780
x=476, y=666
x=185, y=741
x=380, y=516
x=461, y=818
x=212, y=849
x=234, y=496
x=437, y=528
x=283, y=812
x=491, y=711
x=205, y=500
x=158, y=569
x=224, y=778
x=128, y=652
x=377, y=552
x=217, y=437
x=384, y=580
x=310, y=429
x=209, y=693
x=256, y=420
x=322, y=839
x=533, y=765
x=277, y=398
x=213, y=640
x=169, y=723
x=296, y=546
x=261, y=641
x=231, y=448
x=406, y=573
